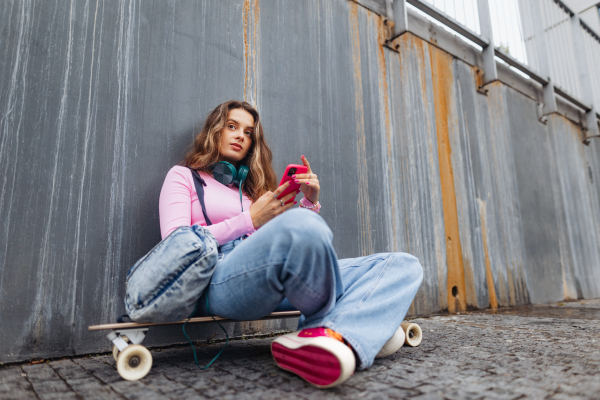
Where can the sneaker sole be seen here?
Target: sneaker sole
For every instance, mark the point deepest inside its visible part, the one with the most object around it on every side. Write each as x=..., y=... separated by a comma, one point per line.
x=313, y=364
x=322, y=362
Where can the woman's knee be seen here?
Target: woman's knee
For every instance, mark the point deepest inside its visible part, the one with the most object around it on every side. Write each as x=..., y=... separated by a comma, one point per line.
x=410, y=266
x=301, y=223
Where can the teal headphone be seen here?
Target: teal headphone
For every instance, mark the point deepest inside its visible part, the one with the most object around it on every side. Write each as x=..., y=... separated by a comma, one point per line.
x=226, y=173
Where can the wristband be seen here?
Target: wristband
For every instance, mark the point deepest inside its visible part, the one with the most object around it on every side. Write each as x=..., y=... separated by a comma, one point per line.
x=305, y=203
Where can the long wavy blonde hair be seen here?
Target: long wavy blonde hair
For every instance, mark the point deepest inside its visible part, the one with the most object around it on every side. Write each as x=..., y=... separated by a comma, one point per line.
x=204, y=151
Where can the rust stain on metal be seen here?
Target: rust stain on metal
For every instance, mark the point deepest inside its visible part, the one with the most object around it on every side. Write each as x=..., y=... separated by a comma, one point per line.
x=410, y=41
x=488, y=269
x=250, y=16
x=443, y=80
x=383, y=87
x=522, y=287
x=479, y=78
x=364, y=215
x=511, y=287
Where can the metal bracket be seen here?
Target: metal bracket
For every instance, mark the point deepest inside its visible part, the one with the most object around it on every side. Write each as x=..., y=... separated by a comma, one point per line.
x=135, y=336
x=592, y=128
x=489, y=61
x=543, y=118
x=400, y=18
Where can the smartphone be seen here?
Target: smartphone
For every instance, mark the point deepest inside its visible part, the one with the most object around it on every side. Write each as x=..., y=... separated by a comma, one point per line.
x=291, y=169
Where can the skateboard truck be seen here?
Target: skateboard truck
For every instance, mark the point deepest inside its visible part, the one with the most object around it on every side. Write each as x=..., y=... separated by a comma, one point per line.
x=135, y=336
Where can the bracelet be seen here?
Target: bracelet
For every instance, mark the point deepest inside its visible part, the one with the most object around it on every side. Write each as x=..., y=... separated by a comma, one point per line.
x=305, y=203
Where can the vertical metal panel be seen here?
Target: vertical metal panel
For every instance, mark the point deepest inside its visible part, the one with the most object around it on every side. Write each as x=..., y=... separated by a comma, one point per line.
x=579, y=232
x=497, y=196
x=533, y=166
x=464, y=156
x=101, y=101
x=592, y=155
x=419, y=216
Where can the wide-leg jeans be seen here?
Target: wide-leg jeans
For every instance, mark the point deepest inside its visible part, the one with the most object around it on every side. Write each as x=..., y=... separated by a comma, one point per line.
x=291, y=258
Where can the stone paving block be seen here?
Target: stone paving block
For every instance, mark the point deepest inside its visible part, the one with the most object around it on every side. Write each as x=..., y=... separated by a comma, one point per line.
x=81, y=381
x=136, y=390
x=564, y=396
x=428, y=396
x=14, y=384
x=100, y=369
x=170, y=388
x=46, y=383
x=393, y=393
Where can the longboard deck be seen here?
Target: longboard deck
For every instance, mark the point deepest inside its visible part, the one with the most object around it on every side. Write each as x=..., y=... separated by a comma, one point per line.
x=130, y=325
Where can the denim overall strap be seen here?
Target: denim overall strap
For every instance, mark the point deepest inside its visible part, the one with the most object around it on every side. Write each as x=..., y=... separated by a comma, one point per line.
x=199, y=184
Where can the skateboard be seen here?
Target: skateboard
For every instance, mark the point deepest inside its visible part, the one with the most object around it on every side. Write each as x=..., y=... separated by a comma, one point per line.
x=134, y=360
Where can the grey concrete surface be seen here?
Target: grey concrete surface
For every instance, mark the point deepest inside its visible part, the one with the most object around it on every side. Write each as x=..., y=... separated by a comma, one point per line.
x=541, y=352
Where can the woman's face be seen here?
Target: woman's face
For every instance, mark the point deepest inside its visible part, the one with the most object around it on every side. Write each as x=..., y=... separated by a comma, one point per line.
x=236, y=137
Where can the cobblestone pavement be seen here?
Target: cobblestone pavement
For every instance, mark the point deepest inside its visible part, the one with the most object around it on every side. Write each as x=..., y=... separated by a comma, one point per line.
x=540, y=352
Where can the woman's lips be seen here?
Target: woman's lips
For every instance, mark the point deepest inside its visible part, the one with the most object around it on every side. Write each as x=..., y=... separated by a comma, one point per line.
x=236, y=146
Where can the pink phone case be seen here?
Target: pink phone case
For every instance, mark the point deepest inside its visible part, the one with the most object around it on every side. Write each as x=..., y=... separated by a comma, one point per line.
x=287, y=175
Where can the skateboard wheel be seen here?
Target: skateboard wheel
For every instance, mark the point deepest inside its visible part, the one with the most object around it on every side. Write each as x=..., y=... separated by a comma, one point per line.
x=134, y=362
x=394, y=344
x=413, y=332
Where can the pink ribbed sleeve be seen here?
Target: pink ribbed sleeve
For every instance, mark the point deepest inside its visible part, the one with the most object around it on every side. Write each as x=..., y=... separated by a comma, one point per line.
x=179, y=206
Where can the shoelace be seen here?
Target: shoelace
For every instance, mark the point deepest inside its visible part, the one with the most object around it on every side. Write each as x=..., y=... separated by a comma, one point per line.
x=192, y=344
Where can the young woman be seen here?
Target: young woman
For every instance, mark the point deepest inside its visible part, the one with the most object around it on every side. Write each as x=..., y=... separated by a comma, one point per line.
x=274, y=257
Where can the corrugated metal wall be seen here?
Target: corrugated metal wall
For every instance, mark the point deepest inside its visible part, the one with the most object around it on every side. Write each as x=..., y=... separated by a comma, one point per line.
x=99, y=99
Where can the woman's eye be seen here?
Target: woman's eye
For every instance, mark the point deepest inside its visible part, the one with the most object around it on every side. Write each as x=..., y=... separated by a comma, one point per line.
x=248, y=133
x=232, y=127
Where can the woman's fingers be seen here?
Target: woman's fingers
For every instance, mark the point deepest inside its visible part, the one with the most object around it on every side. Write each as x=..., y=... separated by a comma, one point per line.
x=289, y=196
x=281, y=188
x=309, y=182
x=305, y=176
x=305, y=162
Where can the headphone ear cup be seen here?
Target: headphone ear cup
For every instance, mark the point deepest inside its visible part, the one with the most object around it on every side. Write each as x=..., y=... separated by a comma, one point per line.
x=224, y=172
x=242, y=174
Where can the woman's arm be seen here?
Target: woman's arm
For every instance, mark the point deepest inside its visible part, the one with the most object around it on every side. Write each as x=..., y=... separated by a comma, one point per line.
x=175, y=209
x=175, y=203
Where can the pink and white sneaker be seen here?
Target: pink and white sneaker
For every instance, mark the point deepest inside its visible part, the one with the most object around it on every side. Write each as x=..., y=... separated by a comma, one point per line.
x=318, y=355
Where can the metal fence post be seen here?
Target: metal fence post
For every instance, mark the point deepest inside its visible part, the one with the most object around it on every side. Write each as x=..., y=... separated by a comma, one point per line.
x=585, y=81
x=400, y=18
x=485, y=24
x=541, y=50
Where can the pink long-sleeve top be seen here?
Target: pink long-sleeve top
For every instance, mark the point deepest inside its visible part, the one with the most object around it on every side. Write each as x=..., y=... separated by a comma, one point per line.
x=179, y=206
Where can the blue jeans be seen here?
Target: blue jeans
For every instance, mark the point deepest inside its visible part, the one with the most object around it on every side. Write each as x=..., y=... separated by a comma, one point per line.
x=291, y=258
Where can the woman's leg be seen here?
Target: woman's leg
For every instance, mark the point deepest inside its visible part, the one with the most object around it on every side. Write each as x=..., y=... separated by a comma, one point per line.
x=378, y=291
x=291, y=256
x=364, y=299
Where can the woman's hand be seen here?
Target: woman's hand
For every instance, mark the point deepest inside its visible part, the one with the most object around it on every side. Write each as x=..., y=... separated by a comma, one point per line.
x=268, y=206
x=310, y=183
